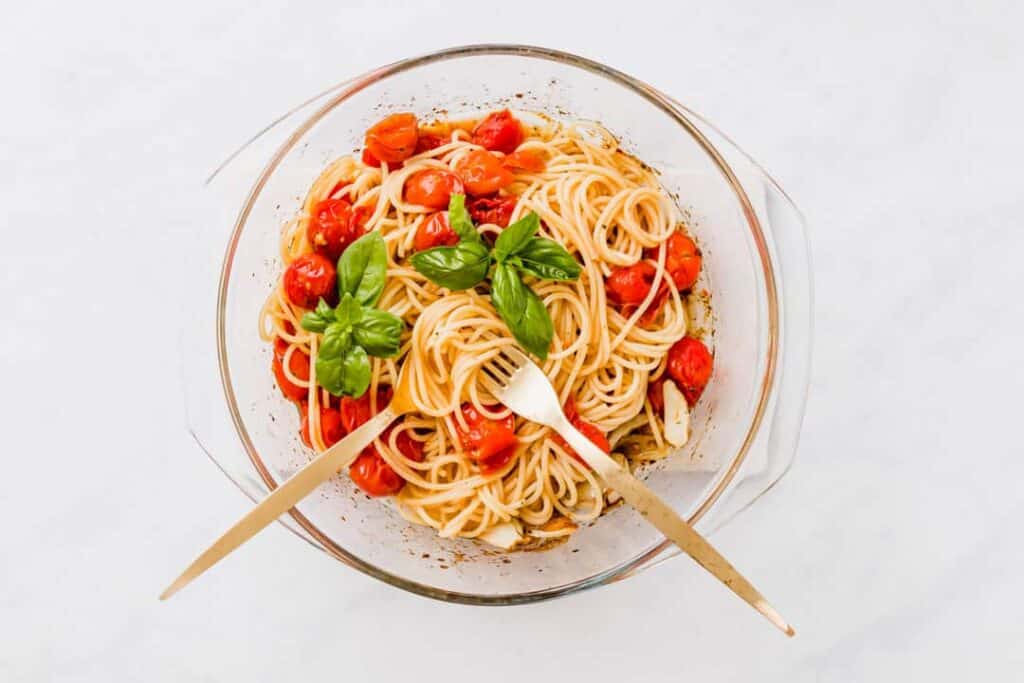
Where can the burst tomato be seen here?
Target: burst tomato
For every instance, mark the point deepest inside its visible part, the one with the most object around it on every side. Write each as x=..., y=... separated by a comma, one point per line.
x=432, y=188
x=332, y=227
x=682, y=260
x=656, y=395
x=488, y=443
x=428, y=141
x=435, y=232
x=499, y=132
x=356, y=411
x=482, y=173
x=308, y=278
x=630, y=285
x=588, y=430
x=373, y=475
x=331, y=428
x=526, y=159
x=690, y=364
x=394, y=138
x=298, y=364
x=496, y=210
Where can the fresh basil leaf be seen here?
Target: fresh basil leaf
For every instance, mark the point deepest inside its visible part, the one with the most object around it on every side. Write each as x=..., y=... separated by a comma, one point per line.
x=348, y=312
x=460, y=221
x=355, y=372
x=330, y=374
x=516, y=236
x=548, y=260
x=318, y=320
x=459, y=267
x=522, y=310
x=363, y=268
x=379, y=332
x=508, y=294
x=337, y=339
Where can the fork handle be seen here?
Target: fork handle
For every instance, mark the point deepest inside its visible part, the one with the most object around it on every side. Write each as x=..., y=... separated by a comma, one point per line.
x=666, y=520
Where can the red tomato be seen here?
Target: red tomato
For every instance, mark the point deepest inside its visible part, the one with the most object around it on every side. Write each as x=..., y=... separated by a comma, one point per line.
x=496, y=210
x=369, y=159
x=429, y=141
x=656, y=395
x=482, y=173
x=373, y=475
x=488, y=443
x=432, y=188
x=356, y=411
x=407, y=446
x=690, y=364
x=588, y=430
x=308, y=278
x=527, y=159
x=331, y=428
x=299, y=366
x=630, y=285
x=393, y=139
x=435, y=232
x=499, y=132
x=333, y=227
x=682, y=260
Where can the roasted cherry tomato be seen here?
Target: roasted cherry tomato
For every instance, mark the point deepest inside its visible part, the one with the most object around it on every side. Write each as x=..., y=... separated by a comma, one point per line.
x=428, y=141
x=432, y=188
x=298, y=364
x=656, y=395
x=682, y=260
x=690, y=364
x=482, y=173
x=435, y=232
x=393, y=139
x=356, y=411
x=527, y=159
x=489, y=443
x=371, y=160
x=407, y=446
x=496, y=210
x=308, y=278
x=332, y=227
x=588, y=430
x=499, y=132
x=630, y=285
x=331, y=428
x=373, y=475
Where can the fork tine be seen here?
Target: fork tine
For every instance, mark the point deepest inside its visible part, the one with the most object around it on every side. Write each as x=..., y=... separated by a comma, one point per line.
x=507, y=366
x=515, y=356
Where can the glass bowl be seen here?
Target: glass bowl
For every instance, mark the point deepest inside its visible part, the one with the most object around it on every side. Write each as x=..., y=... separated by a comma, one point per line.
x=757, y=268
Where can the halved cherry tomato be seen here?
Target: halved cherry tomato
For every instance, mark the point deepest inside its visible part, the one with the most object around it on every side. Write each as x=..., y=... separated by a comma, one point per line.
x=432, y=188
x=488, y=443
x=630, y=285
x=690, y=364
x=496, y=210
x=682, y=260
x=394, y=138
x=373, y=475
x=588, y=430
x=298, y=364
x=482, y=173
x=499, y=132
x=333, y=227
x=308, y=278
x=331, y=428
x=356, y=411
x=527, y=159
x=435, y=232
x=428, y=141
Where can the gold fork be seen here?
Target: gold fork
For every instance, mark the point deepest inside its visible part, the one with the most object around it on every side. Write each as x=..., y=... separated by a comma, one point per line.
x=523, y=387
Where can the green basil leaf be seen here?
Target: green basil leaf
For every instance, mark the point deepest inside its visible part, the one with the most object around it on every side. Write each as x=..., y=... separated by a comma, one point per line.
x=318, y=320
x=363, y=268
x=459, y=267
x=516, y=236
x=337, y=340
x=330, y=374
x=348, y=311
x=379, y=332
x=522, y=310
x=355, y=372
x=460, y=221
x=548, y=260
x=508, y=294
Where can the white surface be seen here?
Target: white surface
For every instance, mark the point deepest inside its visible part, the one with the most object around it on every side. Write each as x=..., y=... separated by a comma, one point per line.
x=893, y=545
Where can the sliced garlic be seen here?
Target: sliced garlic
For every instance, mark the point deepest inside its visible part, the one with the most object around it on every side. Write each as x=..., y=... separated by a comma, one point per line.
x=505, y=536
x=677, y=415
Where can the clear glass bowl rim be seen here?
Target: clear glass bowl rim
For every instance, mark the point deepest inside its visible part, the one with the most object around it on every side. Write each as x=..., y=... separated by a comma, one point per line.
x=667, y=105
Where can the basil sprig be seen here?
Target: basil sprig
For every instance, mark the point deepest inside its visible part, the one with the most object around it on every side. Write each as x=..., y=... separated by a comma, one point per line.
x=516, y=252
x=354, y=330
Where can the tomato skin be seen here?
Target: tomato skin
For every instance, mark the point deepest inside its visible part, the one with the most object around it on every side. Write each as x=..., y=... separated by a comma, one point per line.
x=299, y=366
x=394, y=138
x=331, y=428
x=435, y=232
x=495, y=210
x=356, y=411
x=482, y=173
x=682, y=260
x=656, y=395
x=369, y=159
x=526, y=159
x=630, y=285
x=374, y=476
x=489, y=443
x=432, y=188
x=428, y=141
x=690, y=364
x=332, y=227
x=588, y=430
x=499, y=131
x=308, y=278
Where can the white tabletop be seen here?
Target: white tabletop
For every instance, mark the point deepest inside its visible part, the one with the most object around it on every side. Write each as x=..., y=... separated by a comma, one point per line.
x=893, y=545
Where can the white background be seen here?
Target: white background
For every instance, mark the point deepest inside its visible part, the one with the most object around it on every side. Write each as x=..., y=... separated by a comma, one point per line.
x=894, y=543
